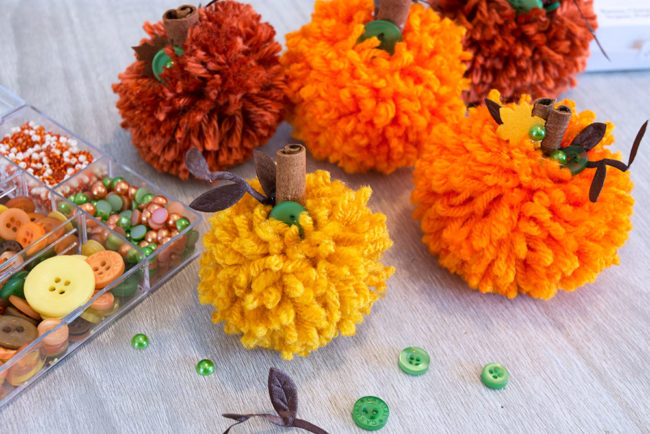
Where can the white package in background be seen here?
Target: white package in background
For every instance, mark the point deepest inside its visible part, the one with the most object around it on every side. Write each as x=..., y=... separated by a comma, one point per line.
x=624, y=33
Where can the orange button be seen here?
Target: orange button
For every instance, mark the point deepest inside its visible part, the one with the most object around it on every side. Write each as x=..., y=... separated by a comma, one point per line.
x=48, y=224
x=24, y=307
x=22, y=202
x=10, y=221
x=54, y=339
x=107, y=266
x=28, y=233
x=104, y=301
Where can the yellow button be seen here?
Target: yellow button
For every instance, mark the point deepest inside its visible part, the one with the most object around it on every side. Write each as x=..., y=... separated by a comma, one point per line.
x=59, y=285
x=2, y=208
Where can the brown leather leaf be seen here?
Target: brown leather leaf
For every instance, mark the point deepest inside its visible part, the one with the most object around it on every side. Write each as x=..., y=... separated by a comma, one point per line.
x=219, y=198
x=265, y=168
x=147, y=51
x=494, y=109
x=637, y=142
x=284, y=395
x=590, y=136
x=598, y=182
x=197, y=165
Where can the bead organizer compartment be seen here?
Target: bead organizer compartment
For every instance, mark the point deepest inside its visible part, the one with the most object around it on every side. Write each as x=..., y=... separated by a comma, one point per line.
x=124, y=272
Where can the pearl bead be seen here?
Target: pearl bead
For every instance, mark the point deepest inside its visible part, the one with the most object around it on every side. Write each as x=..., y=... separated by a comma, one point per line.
x=98, y=190
x=205, y=367
x=140, y=341
x=151, y=236
x=559, y=156
x=160, y=200
x=537, y=133
x=121, y=188
x=89, y=208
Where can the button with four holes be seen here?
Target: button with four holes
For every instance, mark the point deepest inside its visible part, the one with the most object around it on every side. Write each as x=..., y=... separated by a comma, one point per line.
x=107, y=266
x=495, y=376
x=59, y=285
x=414, y=361
x=370, y=413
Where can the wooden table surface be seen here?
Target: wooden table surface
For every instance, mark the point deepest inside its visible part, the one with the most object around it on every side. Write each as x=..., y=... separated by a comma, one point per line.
x=578, y=363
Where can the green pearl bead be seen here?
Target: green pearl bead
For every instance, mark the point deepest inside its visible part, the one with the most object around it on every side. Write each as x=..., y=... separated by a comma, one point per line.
x=153, y=246
x=182, y=223
x=205, y=367
x=140, y=341
x=558, y=156
x=64, y=207
x=107, y=182
x=124, y=223
x=147, y=250
x=133, y=257
x=537, y=133
x=113, y=242
x=80, y=199
x=115, y=181
x=146, y=198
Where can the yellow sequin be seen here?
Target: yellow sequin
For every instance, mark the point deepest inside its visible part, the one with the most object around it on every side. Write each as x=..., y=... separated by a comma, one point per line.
x=517, y=122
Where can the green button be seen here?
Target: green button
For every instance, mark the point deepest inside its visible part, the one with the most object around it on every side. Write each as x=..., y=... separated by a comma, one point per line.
x=414, y=360
x=370, y=413
x=552, y=7
x=495, y=376
x=162, y=60
x=387, y=33
x=288, y=212
x=524, y=6
x=15, y=286
x=576, y=159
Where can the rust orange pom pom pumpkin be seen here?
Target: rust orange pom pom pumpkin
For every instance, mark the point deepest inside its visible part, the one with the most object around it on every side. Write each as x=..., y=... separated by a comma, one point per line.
x=536, y=52
x=357, y=104
x=224, y=94
x=510, y=219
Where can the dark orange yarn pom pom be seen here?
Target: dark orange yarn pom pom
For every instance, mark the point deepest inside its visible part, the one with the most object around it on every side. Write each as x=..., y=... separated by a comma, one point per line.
x=224, y=95
x=537, y=53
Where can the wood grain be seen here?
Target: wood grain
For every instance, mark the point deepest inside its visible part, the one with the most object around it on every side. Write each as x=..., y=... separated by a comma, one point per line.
x=578, y=363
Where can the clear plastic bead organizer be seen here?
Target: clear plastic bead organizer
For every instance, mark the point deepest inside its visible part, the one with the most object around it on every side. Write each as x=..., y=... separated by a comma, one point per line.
x=142, y=275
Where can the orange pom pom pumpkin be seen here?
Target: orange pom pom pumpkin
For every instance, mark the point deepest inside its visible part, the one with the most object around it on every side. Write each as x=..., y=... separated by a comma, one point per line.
x=223, y=95
x=361, y=106
x=510, y=221
x=536, y=52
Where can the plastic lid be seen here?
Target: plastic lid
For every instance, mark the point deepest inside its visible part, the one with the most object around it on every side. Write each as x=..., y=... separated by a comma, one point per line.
x=8, y=102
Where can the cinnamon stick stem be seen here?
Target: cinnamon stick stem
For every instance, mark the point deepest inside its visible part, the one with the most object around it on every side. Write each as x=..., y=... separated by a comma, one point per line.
x=178, y=21
x=395, y=11
x=290, y=181
x=556, y=125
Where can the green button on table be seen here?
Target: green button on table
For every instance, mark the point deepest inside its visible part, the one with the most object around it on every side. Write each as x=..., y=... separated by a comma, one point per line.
x=495, y=376
x=370, y=413
x=414, y=361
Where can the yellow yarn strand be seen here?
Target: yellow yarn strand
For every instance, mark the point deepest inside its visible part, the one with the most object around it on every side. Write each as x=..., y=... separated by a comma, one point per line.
x=294, y=294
